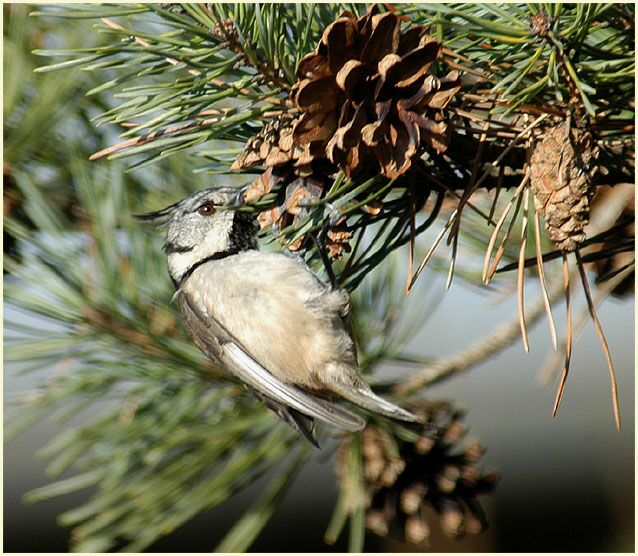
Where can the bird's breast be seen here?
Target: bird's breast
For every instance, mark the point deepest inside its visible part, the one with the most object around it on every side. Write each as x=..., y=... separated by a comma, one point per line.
x=279, y=312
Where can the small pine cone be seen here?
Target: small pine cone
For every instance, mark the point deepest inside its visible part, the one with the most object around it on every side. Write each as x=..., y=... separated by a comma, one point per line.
x=446, y=481
x=541, y=25
x=562, y=168
x=411, y=498
x=339, y=237
x=424, y=444
x=366, y=95
x=452, y=520
x=260, y=186
x=272, y=146
x=377, y=523
x=381, y=465
x=438, y=473
x=290, y=207
x=224, y=31
x=473, y=452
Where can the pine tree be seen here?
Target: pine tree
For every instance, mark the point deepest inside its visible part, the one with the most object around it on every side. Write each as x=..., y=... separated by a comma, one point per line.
x=357, y=126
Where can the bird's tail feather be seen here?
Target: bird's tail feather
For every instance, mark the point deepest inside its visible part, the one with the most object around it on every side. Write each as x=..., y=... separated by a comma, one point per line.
x=362, y=395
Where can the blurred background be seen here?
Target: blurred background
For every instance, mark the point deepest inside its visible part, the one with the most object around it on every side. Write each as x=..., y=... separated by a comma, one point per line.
x=567, y=483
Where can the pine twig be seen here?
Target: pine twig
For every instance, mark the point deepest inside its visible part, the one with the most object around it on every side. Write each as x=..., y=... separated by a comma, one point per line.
x=196, y=73
x=601, y=219
x=486, y=347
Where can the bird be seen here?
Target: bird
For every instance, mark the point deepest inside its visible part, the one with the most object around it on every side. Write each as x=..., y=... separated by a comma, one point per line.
x=265, y=316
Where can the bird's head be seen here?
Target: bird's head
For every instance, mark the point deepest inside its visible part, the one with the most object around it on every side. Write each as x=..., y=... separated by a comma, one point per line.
x=204, y=225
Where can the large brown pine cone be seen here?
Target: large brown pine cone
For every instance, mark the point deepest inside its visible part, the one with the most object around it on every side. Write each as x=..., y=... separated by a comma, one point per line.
x=366, y=95
x=364, y=99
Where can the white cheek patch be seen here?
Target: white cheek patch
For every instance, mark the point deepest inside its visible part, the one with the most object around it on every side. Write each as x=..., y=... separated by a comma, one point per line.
x=215, y=240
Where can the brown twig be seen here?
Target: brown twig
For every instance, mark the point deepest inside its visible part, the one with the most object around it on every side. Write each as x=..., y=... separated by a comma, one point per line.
x=507, y=149
x=486, y=347
x=104, y=322
x=477, y=118
x=263, y=69
x=141, y=140
x=470, y=188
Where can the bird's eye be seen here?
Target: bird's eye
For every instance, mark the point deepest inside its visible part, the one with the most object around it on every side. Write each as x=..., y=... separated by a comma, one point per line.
x=206, y=209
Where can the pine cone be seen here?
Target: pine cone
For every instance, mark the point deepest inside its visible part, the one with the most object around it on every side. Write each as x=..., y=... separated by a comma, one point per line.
x=562, y=169
x=339, y=237
x=273, y=146
x=364, y=102
x=366, y=96
x=541, y=24
x=403, y=478
x=289, y=208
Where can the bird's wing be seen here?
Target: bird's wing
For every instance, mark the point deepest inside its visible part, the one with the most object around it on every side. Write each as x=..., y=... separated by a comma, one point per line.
x=215, y=340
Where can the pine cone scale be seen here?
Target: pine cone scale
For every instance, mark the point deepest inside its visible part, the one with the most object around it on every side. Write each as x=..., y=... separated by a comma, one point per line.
x=414, y=65
x=383, y=39
x=317, y=95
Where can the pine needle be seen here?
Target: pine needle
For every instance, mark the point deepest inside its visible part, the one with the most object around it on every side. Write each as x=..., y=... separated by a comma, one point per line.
x=512, y=144
x=603, y=340
x=429, y=254
x=499, y=225
x=412, y=242
x=541, y=275
x=568, y=337
x=497, y=193
x=521, y=270
x=450, y=273
x=501, y=248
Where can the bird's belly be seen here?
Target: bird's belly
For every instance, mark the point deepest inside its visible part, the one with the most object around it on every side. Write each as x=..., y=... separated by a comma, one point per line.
x=293, y=339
